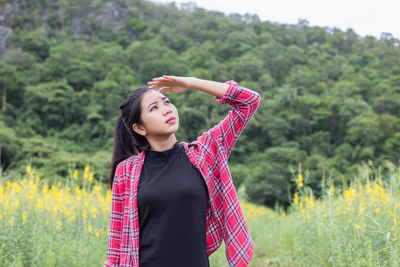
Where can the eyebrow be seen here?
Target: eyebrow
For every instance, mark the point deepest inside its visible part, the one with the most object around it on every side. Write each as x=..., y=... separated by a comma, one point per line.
x=162, y=98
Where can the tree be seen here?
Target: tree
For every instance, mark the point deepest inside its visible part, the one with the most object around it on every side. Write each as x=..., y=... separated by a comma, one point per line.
x=9, y=81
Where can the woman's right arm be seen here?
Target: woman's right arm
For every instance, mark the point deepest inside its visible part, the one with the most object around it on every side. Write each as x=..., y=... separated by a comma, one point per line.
x=116, y=219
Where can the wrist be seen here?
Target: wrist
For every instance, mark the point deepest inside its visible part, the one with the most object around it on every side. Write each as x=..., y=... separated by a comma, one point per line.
x=195, y=83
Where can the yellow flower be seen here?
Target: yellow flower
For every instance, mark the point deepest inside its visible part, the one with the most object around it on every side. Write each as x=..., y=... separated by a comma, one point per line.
x=86, y=172
x=377, y=210
x=37, y=179
x=91, y=177
x=90, y=228
x=24, y=216
x=296, y=199
x=59, y=224
x=11, y=221
x=332, y=190
x=357, y=226
x=75, y=174
x=9, y=185
x=300, y=180
x=349, y=193
x=283, y=214
x=28, y=169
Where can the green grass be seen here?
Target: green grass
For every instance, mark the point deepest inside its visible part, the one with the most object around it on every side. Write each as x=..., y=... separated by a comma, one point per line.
x=66, y=225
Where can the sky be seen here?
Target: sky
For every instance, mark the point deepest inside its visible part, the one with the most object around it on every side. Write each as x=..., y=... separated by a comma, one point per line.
x=364, y=17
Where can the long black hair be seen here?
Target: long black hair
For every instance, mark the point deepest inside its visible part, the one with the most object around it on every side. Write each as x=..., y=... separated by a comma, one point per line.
x=126, y=141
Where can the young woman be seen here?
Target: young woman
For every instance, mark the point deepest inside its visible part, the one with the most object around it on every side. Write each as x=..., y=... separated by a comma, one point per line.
x=174, y=202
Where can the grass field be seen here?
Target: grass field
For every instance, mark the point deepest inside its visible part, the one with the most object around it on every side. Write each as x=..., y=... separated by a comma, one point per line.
x=66, y=224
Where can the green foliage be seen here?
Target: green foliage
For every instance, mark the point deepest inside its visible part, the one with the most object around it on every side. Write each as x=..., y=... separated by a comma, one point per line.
x=330, y=99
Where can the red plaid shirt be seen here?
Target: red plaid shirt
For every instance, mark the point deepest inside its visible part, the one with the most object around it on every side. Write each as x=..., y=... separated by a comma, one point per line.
x=209, y=154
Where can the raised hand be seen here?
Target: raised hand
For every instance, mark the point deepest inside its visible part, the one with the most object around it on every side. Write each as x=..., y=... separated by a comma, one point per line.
x=171, y=84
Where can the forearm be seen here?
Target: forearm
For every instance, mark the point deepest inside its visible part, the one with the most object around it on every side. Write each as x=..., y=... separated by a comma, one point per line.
x=210, y=87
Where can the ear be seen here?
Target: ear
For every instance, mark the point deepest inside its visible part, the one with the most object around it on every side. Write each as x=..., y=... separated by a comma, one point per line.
x=139, y=129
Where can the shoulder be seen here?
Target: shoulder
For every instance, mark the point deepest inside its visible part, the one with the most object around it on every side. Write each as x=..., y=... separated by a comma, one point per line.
x=203, y=147
x=124, y=168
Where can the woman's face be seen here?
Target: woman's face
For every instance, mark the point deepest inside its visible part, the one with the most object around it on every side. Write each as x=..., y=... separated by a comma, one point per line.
x=157, y=109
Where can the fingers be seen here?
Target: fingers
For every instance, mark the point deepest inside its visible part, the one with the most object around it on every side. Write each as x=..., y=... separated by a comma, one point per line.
x=164, y=78
x=164, y=90
x=162, y=81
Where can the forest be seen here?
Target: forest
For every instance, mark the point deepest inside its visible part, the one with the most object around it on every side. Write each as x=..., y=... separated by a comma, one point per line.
x=330, y=99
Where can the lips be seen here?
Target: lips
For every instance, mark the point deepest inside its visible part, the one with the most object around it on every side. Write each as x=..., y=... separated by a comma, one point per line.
x=170, y=119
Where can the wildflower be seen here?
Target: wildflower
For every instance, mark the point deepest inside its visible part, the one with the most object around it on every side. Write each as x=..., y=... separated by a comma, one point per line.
x=28, y=169
x=11, y=221
x=300, y=180
x=86, y=172
x=91, y=177
x=283, y=214
x=75, y=174
x=377, y=210
x=357, y=226
x=24, y=217
x=90, y=228
x=332, y=190
x=296, y=199
x=368, y=187
x=59, y=224
x=348, y=194
x=8, y=186
x=37, y=179
x=16, y=187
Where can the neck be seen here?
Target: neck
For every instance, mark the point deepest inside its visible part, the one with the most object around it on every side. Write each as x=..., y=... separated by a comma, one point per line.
x=162, y=143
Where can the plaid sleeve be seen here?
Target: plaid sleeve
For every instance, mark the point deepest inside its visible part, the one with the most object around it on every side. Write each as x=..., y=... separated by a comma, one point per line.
x=116, y=219
x=244, y=104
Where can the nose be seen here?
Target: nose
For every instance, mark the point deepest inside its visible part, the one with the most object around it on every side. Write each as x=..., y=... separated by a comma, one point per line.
x=167, y=110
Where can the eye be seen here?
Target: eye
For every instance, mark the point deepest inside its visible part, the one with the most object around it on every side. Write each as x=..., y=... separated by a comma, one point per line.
x=167, y=101
x=153, y=107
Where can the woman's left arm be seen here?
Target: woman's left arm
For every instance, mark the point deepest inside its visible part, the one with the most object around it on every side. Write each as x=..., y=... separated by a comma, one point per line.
x=244, y=104
x=243, y=101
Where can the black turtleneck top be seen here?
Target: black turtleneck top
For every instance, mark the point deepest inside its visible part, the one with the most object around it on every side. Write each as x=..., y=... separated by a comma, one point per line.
x=172, y=200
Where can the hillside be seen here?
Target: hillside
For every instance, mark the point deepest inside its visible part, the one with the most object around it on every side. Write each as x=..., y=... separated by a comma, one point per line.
x=330, y=99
